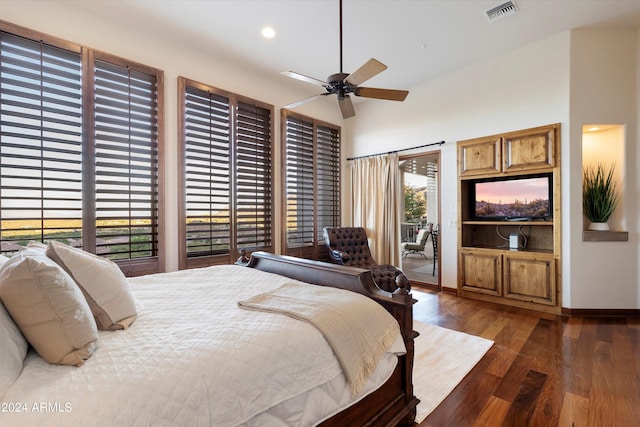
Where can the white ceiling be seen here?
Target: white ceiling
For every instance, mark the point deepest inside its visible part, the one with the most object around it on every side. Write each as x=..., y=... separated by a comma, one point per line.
x=417, y=39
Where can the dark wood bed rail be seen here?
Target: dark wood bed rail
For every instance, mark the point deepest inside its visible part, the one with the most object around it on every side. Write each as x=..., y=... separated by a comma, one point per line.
x=393, y=403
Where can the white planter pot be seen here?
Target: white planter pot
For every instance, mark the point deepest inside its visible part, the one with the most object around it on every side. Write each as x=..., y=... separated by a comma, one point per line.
x=599, y=226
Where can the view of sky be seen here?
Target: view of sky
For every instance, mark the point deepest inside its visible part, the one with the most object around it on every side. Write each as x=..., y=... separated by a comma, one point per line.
x=415, y=180
x=506, y=191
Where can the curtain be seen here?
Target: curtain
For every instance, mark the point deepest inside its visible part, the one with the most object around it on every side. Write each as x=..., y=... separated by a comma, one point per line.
x=375, y=204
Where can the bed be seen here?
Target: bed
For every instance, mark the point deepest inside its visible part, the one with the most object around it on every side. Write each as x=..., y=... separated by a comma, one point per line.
x=194, y=356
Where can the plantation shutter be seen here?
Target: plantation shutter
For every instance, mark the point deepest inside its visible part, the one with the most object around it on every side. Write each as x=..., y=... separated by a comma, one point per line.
x=208, y=173
x=312, y=184
x=253, y=177
x=227, y=149
x=328, y=173
x=40, y=143
x=126, y=162
x=299, y=183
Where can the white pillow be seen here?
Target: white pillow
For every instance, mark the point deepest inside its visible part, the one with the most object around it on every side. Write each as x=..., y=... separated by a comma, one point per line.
x=48, y=307
x=14, y=348
x=104, y=285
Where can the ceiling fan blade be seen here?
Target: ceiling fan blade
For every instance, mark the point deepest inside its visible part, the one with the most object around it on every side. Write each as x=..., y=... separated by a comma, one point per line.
x=389, y=94
x=346, y=107
x=365, y=72
x=304, y=101
x=304, y=78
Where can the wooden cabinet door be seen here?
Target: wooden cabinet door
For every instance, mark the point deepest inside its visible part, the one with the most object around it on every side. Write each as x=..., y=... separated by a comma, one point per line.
x=480, y=156
x=531, y=149
x=481, y=272
x=529, y=277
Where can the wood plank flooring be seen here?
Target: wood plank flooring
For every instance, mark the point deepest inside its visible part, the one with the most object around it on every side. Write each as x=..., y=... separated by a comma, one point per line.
x=543, y=370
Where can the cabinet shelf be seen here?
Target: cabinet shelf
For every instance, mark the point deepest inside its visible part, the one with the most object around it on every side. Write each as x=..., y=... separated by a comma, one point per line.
x=504, y=249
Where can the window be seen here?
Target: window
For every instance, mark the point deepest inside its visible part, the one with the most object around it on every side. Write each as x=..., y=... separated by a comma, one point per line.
x=79, y=149
x=126, y=162
x=311, y=155
x=227, y=172
x=41, y=142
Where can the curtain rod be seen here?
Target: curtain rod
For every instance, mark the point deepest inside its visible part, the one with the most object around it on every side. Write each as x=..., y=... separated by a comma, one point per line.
x=396, y=151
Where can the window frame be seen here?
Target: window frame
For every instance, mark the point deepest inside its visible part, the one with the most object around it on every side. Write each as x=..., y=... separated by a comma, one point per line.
x=88, y=56
x=186, y=261
x=317, y=248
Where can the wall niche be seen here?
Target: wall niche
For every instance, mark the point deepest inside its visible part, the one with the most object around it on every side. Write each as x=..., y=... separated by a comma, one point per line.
x=605, y=144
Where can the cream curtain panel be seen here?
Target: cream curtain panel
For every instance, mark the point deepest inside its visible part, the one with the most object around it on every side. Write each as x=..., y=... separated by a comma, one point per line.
x=375, y=204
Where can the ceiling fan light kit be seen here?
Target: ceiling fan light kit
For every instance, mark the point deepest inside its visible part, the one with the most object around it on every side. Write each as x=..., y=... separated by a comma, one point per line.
x=342, y=84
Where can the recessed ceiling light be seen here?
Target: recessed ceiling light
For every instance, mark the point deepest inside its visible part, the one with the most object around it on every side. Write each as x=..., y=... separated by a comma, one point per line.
x=268, y=33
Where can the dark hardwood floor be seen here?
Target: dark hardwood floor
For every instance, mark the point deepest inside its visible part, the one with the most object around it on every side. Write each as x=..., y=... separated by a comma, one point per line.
x=543, y=370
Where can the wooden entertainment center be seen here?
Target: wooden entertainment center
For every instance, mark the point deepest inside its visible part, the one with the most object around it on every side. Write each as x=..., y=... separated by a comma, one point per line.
x=510, y=260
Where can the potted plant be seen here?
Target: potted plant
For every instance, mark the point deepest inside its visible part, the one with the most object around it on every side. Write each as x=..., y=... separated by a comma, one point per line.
x=599, y=195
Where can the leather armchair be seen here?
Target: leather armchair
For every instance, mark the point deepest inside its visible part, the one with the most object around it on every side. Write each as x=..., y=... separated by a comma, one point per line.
x=350, y=246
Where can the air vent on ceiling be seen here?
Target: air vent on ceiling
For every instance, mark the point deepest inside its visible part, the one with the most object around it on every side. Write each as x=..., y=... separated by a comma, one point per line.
x=501, y=11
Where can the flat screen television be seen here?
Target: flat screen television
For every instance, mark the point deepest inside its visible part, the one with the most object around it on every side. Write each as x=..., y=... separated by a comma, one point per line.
x=513, y=198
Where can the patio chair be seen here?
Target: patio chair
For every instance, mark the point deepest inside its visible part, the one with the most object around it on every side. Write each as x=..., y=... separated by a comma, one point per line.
x=417, y=247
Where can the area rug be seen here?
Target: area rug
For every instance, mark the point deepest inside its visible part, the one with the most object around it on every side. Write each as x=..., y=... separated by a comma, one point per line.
x=442, y=359
x=427, y=268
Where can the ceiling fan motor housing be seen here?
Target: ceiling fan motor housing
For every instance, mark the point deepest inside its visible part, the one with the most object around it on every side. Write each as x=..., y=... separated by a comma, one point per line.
x=338, y=85
x=337, y=78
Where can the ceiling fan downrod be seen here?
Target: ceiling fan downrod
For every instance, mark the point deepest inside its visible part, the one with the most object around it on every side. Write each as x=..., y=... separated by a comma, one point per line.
x=341, y=37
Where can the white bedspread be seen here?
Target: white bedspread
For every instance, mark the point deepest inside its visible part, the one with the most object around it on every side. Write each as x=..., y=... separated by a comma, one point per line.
x=357, y=338
x=193, y=358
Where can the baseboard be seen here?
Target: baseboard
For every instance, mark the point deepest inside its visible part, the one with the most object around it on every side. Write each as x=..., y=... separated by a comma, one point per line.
x=425, y=285
x=601, y=312
x=452, y=291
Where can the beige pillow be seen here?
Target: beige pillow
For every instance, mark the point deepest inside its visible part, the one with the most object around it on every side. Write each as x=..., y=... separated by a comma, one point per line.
x=48, y=307
x=104, y=285
x=14, y=348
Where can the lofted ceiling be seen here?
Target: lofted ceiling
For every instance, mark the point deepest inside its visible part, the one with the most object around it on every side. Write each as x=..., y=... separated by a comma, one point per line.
x=417, y=40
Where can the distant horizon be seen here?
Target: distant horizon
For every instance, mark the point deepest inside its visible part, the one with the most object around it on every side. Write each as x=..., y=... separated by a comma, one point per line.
x=504, y=192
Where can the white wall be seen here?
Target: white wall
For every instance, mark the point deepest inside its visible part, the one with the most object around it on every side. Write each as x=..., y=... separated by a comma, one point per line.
x=603, y=90
x=118, y=35
x=574, y=78
x=520, y=89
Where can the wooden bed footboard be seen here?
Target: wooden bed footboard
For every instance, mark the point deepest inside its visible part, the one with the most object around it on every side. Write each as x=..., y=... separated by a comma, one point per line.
x=394, y=403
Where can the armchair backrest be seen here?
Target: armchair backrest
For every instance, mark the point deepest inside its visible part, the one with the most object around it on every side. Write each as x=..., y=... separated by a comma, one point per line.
x=348, y=246
x=422, y=236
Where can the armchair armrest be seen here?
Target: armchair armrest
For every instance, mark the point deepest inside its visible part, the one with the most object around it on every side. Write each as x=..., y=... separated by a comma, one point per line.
x=338, y=256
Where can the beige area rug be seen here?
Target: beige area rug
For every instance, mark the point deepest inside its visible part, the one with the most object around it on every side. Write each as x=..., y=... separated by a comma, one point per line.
x=442, y=359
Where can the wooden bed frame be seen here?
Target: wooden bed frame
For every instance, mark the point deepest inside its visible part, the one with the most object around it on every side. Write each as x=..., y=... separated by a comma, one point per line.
x=393, y=403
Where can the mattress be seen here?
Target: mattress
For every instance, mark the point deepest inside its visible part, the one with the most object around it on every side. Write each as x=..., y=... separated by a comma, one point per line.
x=193, y=357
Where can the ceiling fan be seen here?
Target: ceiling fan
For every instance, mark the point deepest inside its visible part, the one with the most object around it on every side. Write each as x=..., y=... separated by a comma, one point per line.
x=342, y=84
